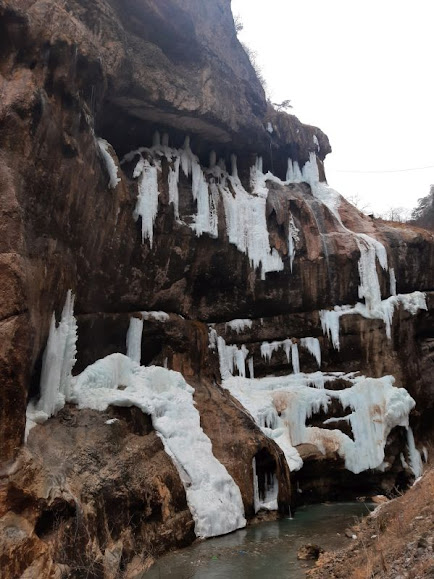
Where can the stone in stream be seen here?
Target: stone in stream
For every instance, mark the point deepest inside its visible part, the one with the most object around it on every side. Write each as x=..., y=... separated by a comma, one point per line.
x=309, y=551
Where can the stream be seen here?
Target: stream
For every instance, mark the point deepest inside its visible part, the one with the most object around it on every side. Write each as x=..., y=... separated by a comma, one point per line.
x=263, y=550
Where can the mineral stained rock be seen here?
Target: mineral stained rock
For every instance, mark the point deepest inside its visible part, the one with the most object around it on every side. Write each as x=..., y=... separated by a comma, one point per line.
x=82, y=491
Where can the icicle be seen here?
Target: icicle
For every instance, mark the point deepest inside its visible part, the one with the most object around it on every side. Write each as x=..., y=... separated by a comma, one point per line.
x=268, y=348
x=312, y=345
x=330, y=324
x=256, y=501
x=392, y=282
x=295, y=359
x=147, y=200
x=165, y=140
x=287, y=344
x=239, y=325
x=134, y=339
x=251, y=368
x=111, y=166
x=290, y=172
x=415, y=459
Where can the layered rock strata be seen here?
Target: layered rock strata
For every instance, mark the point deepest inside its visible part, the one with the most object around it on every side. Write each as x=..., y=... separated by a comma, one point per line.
x=233, y=223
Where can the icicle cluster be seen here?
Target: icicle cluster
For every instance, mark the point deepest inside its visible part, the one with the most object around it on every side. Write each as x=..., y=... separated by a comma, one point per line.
x=57, y=364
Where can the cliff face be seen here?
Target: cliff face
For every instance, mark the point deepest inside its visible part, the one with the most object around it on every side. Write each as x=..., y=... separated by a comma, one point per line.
x=73, y=73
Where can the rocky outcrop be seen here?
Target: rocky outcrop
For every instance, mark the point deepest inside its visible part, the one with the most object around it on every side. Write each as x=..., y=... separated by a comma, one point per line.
x=74, y=72
x=395, y=540
x=92, y=493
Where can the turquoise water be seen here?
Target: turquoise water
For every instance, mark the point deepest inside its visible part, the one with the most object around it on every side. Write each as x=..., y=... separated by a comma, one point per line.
x=264, y=550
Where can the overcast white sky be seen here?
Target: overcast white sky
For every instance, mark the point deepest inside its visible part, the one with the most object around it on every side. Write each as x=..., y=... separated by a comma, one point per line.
x=363, y=72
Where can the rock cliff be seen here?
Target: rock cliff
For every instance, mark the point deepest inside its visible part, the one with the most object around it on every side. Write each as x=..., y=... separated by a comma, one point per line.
x=102, y=194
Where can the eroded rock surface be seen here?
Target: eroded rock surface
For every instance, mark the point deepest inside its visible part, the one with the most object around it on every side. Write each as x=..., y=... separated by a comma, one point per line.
x=72, y=72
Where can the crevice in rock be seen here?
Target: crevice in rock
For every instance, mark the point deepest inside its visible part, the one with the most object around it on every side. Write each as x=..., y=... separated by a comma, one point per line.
x=265, y=471
x=50, y=519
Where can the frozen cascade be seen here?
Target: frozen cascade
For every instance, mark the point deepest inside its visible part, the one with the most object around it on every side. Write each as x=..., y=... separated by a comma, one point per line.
x=415, y=459
x=412, y=303
x=371, y=251
x=206, y=220
x=281, y=405
x=312, y=345
x=134, y=339
x=245, y=212
x=213, y=497
x=246, y=221
x=147, y=200
x=111, y=166
x=57, y=364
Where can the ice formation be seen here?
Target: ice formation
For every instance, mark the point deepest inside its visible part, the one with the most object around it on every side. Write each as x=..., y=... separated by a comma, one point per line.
x=244, y=212
x=57, y=364
x=415, y=459
x=383, y=310
x=134, y=339
x=269, y=501
x=312, y=345
x=293, y=238
x=295, y=359
x=231, y=357
x=392, y=282
x=291, y=352
x=238, y=325
x=281, y=405
x=111, y=166
x=157, y=316
x=251, y=367
x=147, y=200
x=205, y=220
x=213, y=497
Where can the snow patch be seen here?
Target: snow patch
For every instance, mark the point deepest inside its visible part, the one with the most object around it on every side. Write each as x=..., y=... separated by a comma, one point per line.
x=157, y=316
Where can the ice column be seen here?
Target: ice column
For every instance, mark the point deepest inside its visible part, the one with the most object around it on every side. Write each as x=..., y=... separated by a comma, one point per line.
x=134, y=339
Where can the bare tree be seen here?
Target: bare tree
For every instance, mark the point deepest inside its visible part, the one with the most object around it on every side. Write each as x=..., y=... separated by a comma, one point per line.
x=286, y=104
x=238, y=23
